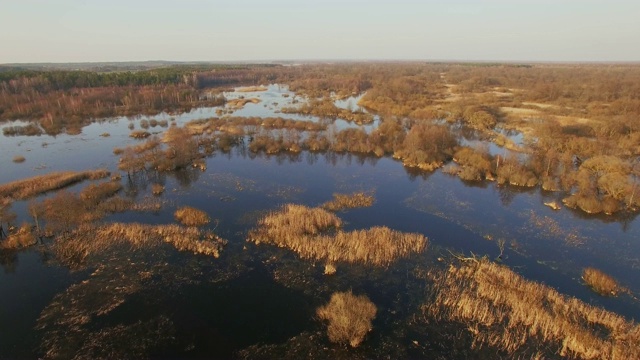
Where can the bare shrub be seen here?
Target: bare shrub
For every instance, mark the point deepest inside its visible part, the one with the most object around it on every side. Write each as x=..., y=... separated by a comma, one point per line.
x=190, y=216
x=600, y=282
x=502, y=309
x=349, y=317
x=349, y=201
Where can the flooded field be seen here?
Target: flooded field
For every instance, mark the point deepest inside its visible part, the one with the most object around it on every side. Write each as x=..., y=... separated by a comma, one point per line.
x=259, y=298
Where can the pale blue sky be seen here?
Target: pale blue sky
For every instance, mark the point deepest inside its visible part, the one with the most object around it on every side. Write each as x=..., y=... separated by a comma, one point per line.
x=195, y=30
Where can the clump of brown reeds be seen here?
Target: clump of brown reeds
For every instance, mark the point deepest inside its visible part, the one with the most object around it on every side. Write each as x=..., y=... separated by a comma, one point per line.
x=26, y=188
x=22, y=238
x=349, y=201
x=157, y=189
x=349, y=317
x=190, y=216
x=139, y=134
x=305, y=231
x=90, y=240
x=503, y=310
x=95, y=193
x=19, y=159
x=600, y=282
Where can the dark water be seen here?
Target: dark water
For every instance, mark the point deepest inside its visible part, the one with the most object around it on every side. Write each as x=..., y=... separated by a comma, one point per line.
x=258, y=295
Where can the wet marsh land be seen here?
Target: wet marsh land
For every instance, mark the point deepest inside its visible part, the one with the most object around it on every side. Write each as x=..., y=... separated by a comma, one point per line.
x=344, y=211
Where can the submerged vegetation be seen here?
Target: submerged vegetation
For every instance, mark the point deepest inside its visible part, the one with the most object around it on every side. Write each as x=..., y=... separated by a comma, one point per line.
x=503, y=310
x=349, y=317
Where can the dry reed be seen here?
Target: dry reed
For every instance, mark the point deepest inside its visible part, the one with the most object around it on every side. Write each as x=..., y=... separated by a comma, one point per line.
x=305, y=231
x=600, y=282
x=22, y=238
x=502, y=309
x=26, y=188
x=190, y=216
x=349, y=317
x=349, y=201
x=90, y=240
x=157, y=189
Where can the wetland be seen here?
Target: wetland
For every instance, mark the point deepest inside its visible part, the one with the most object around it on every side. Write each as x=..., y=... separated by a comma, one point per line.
x=247, y=211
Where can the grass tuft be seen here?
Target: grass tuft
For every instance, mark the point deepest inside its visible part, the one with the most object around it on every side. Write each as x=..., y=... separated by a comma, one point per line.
x=349, y=317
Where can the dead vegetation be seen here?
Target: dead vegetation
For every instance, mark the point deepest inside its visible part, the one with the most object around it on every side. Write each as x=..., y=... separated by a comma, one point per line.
x=600, y=282
x=88, y=240
x=349, y=317
x=503, y=310
x=349, y=201
x=306, y=231
x=157, y=189
x=26, y=188
x=190, y=216
x=22, y=238
x=19, y=159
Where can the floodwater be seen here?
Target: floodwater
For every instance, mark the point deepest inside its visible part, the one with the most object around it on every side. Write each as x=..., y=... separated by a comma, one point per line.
x=253, y=297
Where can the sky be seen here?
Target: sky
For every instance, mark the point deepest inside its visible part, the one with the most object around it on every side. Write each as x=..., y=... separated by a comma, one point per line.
x=254, y=30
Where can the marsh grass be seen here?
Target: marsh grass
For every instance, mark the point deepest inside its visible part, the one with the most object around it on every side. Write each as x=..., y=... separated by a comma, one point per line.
x=349, y=201
x=190, y=216
x=349, y=317
x=96, y=193
x=139, y=134
x=22, y=238
x=89, y=241
x=503, y=310
x=157, y=189
x=26, y=188
x=600, y=282
x=306, y=231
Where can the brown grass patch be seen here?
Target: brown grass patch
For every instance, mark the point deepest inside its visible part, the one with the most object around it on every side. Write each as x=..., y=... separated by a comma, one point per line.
x=19, y=159
x=305, y=231
x=190, y=216
x=349, y=317
x=157, y=189
x=600, y=282
x=349, y=201
x=252, y=89
x=26, y=188
x=502, y=309
x=139, y=134
x=88, y=241
x=22, y=238
x=239, y=103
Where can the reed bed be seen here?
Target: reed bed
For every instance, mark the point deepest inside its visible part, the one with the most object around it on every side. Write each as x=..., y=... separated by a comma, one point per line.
x=349, y=317
x=600, y=282
x=349, y=201
x=190, y=216
x=22, y=238
x=26, y=188
x=96, y=193
x=501, y=309
x=306, y=231
x=87, y=241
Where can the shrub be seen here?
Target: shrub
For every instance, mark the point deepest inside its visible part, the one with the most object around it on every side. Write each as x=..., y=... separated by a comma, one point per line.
x=600, y=282
x=349, y=317
x=190, y=216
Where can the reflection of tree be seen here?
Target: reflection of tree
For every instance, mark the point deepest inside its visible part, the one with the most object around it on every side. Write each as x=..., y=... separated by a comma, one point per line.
x=186, y=176
x=506, y=195
x=9, y=260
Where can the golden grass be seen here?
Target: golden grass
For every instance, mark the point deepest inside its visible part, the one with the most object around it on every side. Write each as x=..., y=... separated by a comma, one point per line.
x=252, y=89
x=502, y=309
x=305, y=231
x=90, y=240
x=26, y=188
x=95, y=193
x=19, y=159
x=22, y=238
x=157, y=189
x=600, y=282
x=349, y=317
x=349, y=201
x=190, y=216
